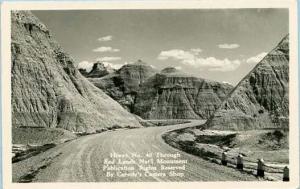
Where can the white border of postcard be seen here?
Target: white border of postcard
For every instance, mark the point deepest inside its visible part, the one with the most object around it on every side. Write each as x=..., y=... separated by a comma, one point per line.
x=201, y=4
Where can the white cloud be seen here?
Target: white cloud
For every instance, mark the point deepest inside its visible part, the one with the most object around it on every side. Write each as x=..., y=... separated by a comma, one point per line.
x=176, y=54
x=257, y=58
x=224, y=65
x=85, y=65
x=130, y=62
x=105, y=38
x=108, y=58
x=196, y=51
x=178, y=67
x=106, y=49
x=228, y=46
x=193, y=60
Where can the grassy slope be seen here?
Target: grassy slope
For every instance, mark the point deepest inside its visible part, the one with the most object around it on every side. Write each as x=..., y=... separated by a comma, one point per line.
x=40, y=136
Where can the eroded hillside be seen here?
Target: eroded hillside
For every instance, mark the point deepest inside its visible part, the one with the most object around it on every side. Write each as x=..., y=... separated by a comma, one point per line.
x=261, y=99
x=47, y=89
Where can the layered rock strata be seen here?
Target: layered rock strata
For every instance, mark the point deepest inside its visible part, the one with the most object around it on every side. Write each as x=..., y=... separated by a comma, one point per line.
x=171, y=94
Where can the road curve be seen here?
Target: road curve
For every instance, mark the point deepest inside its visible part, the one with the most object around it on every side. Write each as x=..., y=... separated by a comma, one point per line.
x=82, y=160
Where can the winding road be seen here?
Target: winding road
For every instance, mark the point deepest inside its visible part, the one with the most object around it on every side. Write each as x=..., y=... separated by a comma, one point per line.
x=82, y=160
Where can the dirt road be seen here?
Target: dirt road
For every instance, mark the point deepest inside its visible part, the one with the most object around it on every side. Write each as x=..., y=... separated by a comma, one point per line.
x=82, y=160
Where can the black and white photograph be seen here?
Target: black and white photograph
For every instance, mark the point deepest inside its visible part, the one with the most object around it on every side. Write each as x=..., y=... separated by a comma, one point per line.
x=134, y=95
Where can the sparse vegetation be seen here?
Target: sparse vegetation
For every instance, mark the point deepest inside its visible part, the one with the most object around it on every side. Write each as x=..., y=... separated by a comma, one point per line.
x=274, y=140
x=104, y=129
x=168, y=122
x=219, y=140
x=29, y=177
x=210, y=144
x=116, y=126
x=188, y=146
x=101, y=130
x=271, y=145
x=40, y=135
x=30, y=141
x=29, y=151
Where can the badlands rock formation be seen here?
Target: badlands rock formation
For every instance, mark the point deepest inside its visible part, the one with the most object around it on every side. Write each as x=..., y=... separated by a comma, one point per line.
x=47, y=89
x=123, y=85
x=171, y=94
x=98, y=70
x=261, y=99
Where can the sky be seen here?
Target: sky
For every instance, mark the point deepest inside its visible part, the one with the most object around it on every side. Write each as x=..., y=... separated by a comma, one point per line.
x=216, y=44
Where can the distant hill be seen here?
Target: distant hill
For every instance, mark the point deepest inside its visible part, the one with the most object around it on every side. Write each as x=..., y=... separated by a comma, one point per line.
x=170, y=94
x=261, y=99
x=98, y=70
x=123, y=84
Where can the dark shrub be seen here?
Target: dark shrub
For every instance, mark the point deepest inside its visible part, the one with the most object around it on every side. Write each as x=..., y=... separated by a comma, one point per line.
x=261, y=111
x=278, y=134
x=116, y=126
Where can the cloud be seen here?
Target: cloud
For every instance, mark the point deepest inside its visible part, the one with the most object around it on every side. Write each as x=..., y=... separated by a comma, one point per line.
x=257, y=58
x=196, y=50
x=213, y=64
x=224, y=65
x=176, y=54
x=228, y=46
x=108, y=58
x=178, y=67
x=129, y=62
x=105, y=38
x=106, y=49
x=85, y=65
x=193, y=60
x=112, y=65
